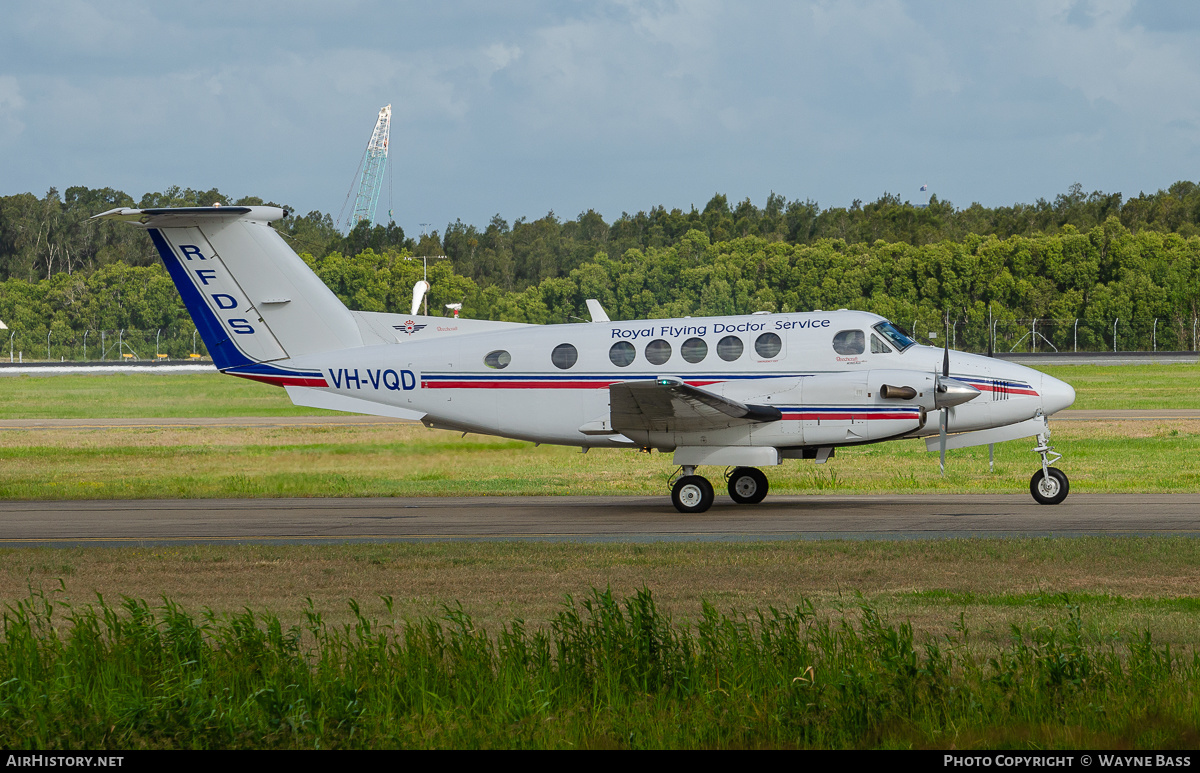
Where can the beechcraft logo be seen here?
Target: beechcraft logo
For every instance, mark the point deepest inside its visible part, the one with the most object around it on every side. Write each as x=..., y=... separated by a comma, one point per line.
x=409, y=327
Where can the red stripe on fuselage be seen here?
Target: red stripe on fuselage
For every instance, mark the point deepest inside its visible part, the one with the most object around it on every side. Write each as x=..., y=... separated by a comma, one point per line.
x=284, y=380
x=1008, y=390
x=848, y=415
x=439, y=384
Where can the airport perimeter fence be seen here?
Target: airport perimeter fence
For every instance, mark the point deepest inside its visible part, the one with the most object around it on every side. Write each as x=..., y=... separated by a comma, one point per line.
x=120, y=345
x=1045, y=335
x=1040, y=335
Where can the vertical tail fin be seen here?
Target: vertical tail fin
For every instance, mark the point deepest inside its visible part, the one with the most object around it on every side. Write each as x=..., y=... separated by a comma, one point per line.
x=253, y=300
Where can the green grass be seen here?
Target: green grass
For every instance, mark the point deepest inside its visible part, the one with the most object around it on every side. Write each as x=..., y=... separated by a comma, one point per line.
x=139, y=395
x=606, y=672
x=142, y=395
x=1130, y=387
x=969, y=644
x=410, y=460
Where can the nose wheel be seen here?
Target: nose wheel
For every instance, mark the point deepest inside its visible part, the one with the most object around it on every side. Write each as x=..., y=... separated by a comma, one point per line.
x=1049, y=485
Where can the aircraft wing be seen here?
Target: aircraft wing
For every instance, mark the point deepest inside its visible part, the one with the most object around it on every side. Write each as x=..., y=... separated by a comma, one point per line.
x=670, y=405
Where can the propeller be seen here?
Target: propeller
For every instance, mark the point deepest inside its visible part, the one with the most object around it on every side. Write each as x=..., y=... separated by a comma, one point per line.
x=940, y=390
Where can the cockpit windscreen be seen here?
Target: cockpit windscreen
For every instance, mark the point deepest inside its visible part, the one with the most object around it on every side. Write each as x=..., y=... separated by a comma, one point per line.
x=893, y=334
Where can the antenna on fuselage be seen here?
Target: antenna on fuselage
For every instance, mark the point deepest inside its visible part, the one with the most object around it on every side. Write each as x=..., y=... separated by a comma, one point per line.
x=596, y=311
x=419, y=290
x=425, y=281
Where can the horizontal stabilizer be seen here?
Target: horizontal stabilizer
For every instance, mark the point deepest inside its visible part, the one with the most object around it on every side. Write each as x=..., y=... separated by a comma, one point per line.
x=331, y=401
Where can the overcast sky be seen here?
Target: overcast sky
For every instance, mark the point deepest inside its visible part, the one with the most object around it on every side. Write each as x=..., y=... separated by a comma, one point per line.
x=524, y=106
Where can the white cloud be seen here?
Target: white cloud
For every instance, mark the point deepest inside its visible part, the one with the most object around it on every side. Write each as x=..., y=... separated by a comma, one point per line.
x=498, y=56
x=540, y=105
x=11, y=105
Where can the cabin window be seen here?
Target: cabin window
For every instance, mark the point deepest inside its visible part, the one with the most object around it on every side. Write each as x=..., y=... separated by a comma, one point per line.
x=498, y=359
x=878, y=347
x=850, y=342
x=564, y=356
x=694, y=349
x=729, y=348
x=658, y=351
x=768, y=346
x=622, y=353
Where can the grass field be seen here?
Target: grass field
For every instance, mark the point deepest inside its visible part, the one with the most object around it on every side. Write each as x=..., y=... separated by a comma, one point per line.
x=410, y=460
x=606, y=672
x=970, y=644
x=1101, y=456
x=1001, y=643
x=142, y=395
x=1132, y=387
x=211, y=394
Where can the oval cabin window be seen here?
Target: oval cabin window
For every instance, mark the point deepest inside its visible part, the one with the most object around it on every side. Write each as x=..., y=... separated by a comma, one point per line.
x=658, y=352
x=729, y=348
x=768, y=346
x=498, y=359
x=621, y=354
x=850, y=342
x=694, y=349
x=564, y=356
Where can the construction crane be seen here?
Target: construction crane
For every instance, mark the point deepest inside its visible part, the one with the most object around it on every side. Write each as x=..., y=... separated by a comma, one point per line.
x=373, y=164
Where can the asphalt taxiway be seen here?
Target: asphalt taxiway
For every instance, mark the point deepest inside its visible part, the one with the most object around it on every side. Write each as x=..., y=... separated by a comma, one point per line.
x=588, y=519
x=595, y=518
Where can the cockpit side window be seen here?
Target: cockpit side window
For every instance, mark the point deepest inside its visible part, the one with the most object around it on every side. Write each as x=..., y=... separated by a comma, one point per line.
x=893, y=335
x=878, y=347
x=850, y=342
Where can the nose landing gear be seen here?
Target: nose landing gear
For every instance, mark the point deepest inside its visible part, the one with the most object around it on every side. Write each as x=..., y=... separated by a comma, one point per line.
x=1049, y=485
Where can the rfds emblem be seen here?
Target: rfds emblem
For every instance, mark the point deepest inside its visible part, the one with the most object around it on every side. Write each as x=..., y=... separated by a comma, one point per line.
x=409, y=327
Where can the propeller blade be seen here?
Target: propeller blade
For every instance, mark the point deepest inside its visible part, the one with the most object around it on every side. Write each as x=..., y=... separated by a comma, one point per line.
x=946, y=354
x=942, y=440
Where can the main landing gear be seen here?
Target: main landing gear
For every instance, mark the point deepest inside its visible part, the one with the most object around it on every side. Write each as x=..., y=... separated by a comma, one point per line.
x=692, y=493
x=1049, y=485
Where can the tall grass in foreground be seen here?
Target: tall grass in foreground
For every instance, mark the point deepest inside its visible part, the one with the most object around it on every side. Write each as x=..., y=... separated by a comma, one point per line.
x=605, y=673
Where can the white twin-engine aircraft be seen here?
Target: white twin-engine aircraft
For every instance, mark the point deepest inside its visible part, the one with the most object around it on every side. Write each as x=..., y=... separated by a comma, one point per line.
x=743, y=392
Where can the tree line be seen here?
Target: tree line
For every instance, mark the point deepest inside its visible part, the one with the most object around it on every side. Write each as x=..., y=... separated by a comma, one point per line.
x=981, y=282
x=1090, y=257
x=40, y=237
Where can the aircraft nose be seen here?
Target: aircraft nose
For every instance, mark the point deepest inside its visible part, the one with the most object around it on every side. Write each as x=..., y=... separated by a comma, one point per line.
x=1056, y=395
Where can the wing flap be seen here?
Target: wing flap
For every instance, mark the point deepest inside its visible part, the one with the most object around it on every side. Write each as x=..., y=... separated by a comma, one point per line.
x=670, y=405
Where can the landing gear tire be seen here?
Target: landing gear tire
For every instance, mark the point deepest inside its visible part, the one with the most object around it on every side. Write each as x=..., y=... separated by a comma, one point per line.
x=747, y=486
x=692, y=494
x=1049, y=489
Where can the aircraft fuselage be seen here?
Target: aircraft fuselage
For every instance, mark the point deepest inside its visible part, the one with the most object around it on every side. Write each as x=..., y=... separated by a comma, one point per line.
x=787, y=361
